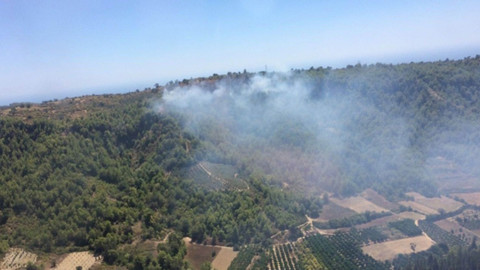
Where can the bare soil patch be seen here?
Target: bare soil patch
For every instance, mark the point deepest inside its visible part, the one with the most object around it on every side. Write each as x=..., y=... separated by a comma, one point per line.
x=389, y=250
x=334, y=211
x=372, y=196
x=84, y=259
x=436, y=203
x=17, y=258
x=359, y=204
x=224, y=258
x=198, y=254
x=419, y=207
x=411, y=215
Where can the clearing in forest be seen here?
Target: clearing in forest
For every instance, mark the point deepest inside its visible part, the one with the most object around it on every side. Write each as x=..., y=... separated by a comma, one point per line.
x=84, y=259
x=359, y=204
x=17, y=258
x=216, y=176
x=389, y=250
x=198, y=254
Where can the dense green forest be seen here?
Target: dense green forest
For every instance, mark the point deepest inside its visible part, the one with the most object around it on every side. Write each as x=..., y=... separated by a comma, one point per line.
x=83, y=183
x=80, y=173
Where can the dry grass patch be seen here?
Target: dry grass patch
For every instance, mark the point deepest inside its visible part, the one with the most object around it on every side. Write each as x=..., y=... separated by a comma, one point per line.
x=411, y=215
x=224, y=258
x=471, y=198
x=334, y=211
x=436, y=203
x=372, y=196
x=379, y=221
x=198, y=254
x=389, y=250
x=84, y=259
x=17, y=258
x=359, y=204
x=419, y=207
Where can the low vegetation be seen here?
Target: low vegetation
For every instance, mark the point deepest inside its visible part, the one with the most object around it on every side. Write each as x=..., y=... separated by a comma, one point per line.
x=440, y=236
x=389, y=250
x=406, y=226
x=340, y=251
x=350, y=221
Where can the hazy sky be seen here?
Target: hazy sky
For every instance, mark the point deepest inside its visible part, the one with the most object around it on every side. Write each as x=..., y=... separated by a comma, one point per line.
x=54, y=49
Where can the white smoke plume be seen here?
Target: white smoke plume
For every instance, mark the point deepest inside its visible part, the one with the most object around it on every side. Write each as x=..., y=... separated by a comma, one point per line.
x=289, y=128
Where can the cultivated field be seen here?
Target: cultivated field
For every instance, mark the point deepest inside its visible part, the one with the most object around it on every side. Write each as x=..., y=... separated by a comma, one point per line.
x=283, y=257
x=471, y=198
x=198, y=254
x=372, y=196
x=224, y=258
x=411, y=215
x=436, y=203
x=84, y=259
x=17, y=258
x=389, y=250
x=334, y=211
x=470, y=215
x=379, y=221
x=359, y=204
x=450, y=225
x=419, y=207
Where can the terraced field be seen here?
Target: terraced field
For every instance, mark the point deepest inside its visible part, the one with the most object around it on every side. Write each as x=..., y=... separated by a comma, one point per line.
x=17, y=258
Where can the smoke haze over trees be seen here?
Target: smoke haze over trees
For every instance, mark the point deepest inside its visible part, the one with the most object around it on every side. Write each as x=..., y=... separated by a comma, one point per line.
x=340, y=130
x=83, y=173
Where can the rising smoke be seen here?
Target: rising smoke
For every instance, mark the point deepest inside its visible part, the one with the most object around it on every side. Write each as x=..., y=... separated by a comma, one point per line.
x=293, y=130
x=305, y=133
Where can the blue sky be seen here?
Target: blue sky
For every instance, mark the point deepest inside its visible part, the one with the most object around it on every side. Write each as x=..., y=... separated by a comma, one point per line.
x=55, y=49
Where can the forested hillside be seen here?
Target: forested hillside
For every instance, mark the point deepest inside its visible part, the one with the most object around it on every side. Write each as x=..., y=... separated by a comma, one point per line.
x=233, y=158
x=81, y=175
x=391, y=127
